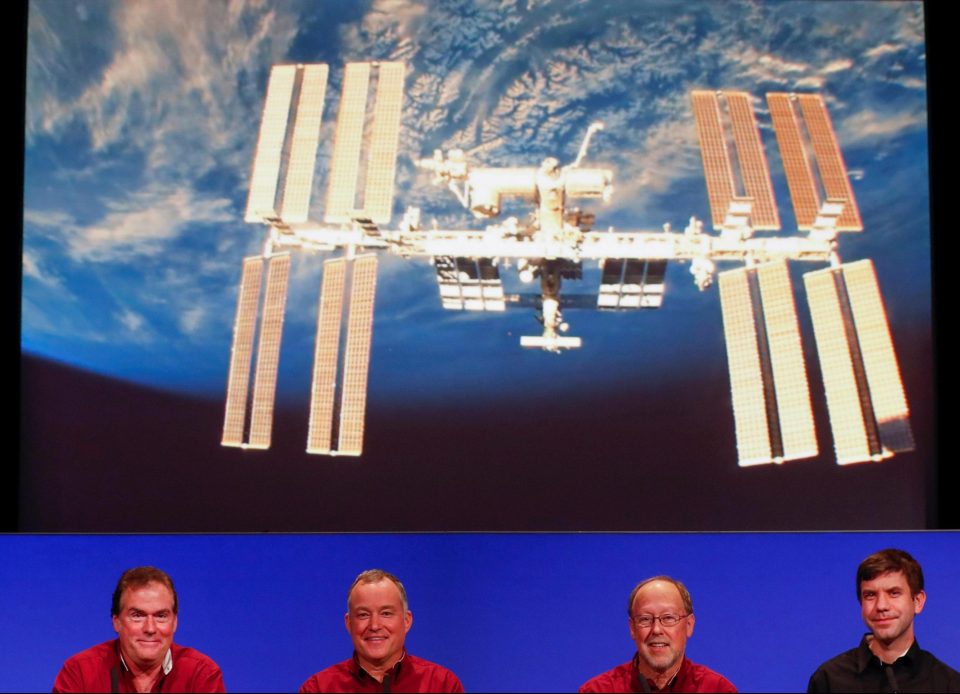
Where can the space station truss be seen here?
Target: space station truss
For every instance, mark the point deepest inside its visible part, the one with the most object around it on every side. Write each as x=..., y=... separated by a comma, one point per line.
x=770, y=390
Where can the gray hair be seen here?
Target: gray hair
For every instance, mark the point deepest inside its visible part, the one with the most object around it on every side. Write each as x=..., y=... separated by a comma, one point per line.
x=375, y=576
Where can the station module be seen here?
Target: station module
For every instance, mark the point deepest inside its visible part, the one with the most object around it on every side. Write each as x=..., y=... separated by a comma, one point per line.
x=773, y=416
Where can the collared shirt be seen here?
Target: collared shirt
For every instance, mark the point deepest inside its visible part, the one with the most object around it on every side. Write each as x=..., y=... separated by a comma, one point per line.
x=859, y=670
x=102, y=669
x=689, y=678
x=410, y=674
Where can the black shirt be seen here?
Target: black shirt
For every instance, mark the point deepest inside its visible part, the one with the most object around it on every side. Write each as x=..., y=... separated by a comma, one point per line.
x=859, y=670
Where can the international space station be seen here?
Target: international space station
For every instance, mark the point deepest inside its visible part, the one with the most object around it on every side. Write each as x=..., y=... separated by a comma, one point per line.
x=772, y=409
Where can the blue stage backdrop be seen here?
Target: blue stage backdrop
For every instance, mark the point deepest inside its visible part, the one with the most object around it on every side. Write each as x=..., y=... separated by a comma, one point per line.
x=506, y=612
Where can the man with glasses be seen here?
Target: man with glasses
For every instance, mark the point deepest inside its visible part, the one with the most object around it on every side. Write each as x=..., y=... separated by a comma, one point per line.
x=888, y=659
x=143, y=657
x=660, y=612
x=378, y=619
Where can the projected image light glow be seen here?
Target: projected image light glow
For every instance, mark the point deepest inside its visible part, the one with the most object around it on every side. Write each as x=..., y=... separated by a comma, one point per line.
x=138, y=170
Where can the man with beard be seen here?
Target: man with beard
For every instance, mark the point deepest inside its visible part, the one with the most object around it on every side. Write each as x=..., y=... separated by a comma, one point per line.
x=660, y=612
x=888, y=659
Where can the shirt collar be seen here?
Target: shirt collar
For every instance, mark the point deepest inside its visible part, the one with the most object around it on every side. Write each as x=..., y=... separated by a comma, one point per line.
x=357, y=670
x=637, y=674
x=865, y=656
x=167, y=661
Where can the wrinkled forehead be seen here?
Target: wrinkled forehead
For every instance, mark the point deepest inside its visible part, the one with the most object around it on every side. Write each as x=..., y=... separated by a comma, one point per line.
x=658, y=596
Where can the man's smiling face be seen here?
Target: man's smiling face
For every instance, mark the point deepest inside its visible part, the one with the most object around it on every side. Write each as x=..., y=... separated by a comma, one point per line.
x=146, y=624
x=661, y=648
x=888, y=609
x=377, y=623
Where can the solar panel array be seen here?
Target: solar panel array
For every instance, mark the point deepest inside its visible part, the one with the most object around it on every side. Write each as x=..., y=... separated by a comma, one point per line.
x=869, y=415
x=469, y=284
x=768, y=380
x=236, y=431
x=629, y=283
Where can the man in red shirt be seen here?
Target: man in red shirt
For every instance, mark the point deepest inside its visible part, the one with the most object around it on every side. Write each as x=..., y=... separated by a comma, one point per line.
x=660, y=612
x=378, y=619
x=143, y=658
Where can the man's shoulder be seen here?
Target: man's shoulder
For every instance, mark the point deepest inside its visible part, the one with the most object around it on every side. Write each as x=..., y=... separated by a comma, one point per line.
x=708, y=680
x=101, y=652
x=186, y=654
x=846, y=660
x=840, y=668
x=423, y=664
x=615, y=680
x=88, y=670
x=320, y=681
x=439, y=678
x=949, y=675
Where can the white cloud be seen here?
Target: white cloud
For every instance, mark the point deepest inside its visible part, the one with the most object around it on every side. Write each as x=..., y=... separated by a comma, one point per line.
x=51, y=219
x=191, y=320
x=143, y=224
x=131, y=320
x=882, y=49
x=869, y=124
x=32, y=267
x=171, y=87
x=840, y=65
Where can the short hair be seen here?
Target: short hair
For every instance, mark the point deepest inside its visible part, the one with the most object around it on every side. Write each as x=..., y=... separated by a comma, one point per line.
x=890, y=561
x=684, y=593
x=141, y=576
x=375, y=576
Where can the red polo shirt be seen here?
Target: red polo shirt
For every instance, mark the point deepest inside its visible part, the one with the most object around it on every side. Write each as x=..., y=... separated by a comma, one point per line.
x=690, y=678
x=96, y=669
x=410, y=674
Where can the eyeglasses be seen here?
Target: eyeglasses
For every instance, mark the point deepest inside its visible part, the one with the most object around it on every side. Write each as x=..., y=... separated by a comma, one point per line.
x=137, y=617
x=645, y=621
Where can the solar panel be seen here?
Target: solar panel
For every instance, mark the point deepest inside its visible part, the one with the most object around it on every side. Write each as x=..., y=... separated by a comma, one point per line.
x=721, y=187
x=348, y=142
x=879, y=358
x=833, y=172
x=325, y=360
x=356, y=361
x=868, y=408
x=631, y=283
x=753, y=162
x=768, y=380
x=241, y=352
x=471, y=284
x=746, y=370
x=268, y=351
x=794, y=412
x=298, y=183
x=803, y=191
x=854, y=432
x=381, y=168
x=273, y=128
